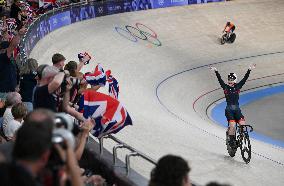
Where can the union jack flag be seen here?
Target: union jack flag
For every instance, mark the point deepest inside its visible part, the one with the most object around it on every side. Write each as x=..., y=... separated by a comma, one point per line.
x=96, y=78
x=110, y=115
x=99, y=68
x=113, y=87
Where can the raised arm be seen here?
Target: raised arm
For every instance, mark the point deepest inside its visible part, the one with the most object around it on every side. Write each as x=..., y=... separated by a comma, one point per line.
x=80, y=65
x=243, y=81
x=56, y=82
x=221, y=82
x=245, y=78
x=15, y=41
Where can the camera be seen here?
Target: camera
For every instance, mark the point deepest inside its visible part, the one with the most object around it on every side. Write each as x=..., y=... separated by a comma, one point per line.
x=63, y=120
x=61, y=135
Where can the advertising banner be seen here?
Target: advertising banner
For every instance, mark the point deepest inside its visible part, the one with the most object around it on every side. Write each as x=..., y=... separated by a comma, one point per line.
x=168, y=3
x=136, y=5
x=115, y=7
x=59, y=20
x=82, y=13
x=100, y=9
x=202, y=1
x=44, y=28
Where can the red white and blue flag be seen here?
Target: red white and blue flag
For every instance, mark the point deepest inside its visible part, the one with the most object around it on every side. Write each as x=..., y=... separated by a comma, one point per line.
x=113, y=87
x=110, y=115
x=99, y=68
x=96, y=78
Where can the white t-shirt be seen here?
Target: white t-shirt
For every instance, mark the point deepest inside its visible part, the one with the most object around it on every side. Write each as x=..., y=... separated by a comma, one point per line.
x=11, y=128
x=7, y=117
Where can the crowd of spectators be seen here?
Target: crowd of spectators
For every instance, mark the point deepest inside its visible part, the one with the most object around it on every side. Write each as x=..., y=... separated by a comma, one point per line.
x=43, y=131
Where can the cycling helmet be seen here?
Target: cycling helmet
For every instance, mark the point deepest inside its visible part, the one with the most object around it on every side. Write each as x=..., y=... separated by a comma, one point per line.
x=232, y=77
x=228, y=23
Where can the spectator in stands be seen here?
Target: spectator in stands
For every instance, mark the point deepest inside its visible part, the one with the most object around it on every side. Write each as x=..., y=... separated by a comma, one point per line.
x=8, y=68
x=71, y=66
x=15, y=10
x=39, y=70
x=19, y=111
x=66, y=100
x=75, y=68
x=13, y=98
x=51, y=80
x=27, y=163
x=36, y=116
x=58, y=61
x=170, y=171
x=38, y=76
x=41, y=115
x=28, y=82
x=80, y=83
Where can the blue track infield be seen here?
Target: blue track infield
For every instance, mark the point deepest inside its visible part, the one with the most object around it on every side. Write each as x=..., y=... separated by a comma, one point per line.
x=218, y=115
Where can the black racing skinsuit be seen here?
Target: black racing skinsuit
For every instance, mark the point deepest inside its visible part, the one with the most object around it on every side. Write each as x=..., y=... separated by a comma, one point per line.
x=232, y=111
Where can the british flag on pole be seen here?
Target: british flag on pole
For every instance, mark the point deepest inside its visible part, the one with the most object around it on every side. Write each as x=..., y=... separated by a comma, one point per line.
x=110, y=115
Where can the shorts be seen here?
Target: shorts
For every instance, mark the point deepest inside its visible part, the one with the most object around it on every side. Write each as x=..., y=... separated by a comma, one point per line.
x=234, y=115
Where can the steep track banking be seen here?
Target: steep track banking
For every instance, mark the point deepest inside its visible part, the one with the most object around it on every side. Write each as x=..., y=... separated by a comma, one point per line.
x=189, y=40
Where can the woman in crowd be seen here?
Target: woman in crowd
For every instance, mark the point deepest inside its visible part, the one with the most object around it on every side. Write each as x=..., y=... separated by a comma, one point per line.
x=28, y=82
x=79, y=84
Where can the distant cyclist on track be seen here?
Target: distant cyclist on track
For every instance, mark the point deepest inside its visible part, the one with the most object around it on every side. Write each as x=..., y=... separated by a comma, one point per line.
x=229, y=28
x=231, y=90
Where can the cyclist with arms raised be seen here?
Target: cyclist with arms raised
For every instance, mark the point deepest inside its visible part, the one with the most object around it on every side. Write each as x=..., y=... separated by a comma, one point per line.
x=231, y=90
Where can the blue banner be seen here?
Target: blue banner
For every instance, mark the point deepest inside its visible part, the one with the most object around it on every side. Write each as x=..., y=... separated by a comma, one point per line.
x=202, y=1
x=136, y=5
x=115, y=7
x=87, y=12
x=168, y=3
x=59, y=20
x=101, y=9
x=82, y=13
x=44, y=28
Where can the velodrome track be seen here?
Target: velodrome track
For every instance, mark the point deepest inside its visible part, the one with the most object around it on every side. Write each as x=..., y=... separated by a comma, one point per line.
x=167, y=89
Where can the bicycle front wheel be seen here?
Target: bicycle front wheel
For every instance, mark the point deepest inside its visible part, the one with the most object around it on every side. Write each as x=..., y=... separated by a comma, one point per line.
x=245, y=148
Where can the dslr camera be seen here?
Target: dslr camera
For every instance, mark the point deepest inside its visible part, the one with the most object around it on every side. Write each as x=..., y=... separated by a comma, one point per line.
x=62, y=134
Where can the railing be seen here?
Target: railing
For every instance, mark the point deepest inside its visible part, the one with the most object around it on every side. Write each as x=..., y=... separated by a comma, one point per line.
x=121, y=145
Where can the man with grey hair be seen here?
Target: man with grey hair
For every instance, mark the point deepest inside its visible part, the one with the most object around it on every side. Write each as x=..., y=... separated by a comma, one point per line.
x=12, y=99
x=50, y=82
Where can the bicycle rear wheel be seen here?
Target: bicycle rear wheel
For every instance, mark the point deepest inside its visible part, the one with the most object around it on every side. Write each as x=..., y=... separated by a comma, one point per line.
x=231, y=150
x=223, y=39
x=245, y=148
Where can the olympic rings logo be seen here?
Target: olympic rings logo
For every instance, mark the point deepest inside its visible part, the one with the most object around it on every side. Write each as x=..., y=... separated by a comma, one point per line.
x=141, y=32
